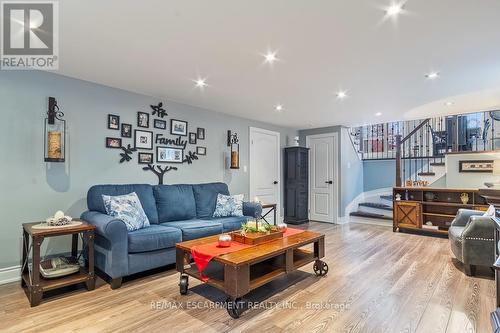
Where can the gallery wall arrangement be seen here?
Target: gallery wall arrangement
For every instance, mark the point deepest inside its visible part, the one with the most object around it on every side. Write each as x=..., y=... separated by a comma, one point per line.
x=158, y=149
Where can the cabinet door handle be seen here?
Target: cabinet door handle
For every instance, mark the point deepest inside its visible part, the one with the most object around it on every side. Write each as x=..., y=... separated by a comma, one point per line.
x=275, y=182
x=329, y=182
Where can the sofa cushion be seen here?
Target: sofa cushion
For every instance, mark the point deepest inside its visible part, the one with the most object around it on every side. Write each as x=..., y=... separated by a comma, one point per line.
x=127, y=208
x=205, y=196
x=155, y=237
x=143, y=191
x=193, y=229
x=174, y=202
x=231, y=223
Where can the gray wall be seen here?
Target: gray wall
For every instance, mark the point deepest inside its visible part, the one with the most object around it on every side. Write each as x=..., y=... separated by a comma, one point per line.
x=378, y=174
x=33, y=190
x=457, y=179
x=350, y=166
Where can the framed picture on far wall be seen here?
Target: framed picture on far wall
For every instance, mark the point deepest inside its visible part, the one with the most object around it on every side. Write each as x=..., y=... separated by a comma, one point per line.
x=113, y=143
x=178, y=127
x=113, y=122
x=145, y=158
x=126, y=130
x=143, y=139
x=481, y=166
x=192, y=138
x=200, y=133
x=169, y=155
x=143, y=119
x=201, y=151
x=160, y=124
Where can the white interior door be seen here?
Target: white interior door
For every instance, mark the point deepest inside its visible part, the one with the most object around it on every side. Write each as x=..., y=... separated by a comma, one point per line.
x=265, y=167
x=322, y=177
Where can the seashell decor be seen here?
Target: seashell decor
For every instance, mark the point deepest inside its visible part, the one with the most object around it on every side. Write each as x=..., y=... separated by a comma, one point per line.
x=58, y=219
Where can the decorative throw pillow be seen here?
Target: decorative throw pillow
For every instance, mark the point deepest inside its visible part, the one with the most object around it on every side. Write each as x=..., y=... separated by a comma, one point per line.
x=490, y=212
x=127, y=208
x=229, y=205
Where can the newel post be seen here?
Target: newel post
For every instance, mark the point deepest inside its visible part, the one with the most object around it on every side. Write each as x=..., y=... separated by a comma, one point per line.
x=398, y=160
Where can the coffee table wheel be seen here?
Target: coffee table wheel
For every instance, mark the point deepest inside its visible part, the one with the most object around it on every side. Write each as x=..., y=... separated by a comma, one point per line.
x=183, y=284
x=235, y=307
x=320, y=268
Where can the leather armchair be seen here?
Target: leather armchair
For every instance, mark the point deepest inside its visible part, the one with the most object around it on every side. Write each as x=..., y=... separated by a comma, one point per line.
x=472, y=239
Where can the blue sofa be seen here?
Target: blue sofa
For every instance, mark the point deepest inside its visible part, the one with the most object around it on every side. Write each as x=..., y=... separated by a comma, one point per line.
x=176, y=213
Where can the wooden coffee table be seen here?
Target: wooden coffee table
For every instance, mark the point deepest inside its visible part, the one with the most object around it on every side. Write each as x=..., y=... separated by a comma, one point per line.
x=237, y=273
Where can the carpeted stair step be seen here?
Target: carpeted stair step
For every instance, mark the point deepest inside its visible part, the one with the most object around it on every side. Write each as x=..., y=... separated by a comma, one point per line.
x=371, y=215
x=426, y=174
x=437, y=164
x=376, y=206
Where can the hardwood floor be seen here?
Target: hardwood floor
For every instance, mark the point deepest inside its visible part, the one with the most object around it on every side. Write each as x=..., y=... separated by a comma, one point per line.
x=378, y=281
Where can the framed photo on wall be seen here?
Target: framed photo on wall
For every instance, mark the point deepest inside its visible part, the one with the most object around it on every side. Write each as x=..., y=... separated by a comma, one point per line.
x=200, y=132
x=126, y=130
x=143, y=139
x=192, y=138
x=113, y=122
x=481, y=166
x=145, y=158
x=113, y=143
x=160, y=124
x=178, y=127
x=201, y=151
x=169, y=155
x=143, y=119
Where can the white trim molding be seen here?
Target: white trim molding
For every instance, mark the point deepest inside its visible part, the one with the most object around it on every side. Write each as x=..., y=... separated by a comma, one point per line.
x=10, y=274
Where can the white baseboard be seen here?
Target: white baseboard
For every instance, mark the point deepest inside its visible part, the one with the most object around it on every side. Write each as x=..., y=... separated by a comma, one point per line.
x=10, y=274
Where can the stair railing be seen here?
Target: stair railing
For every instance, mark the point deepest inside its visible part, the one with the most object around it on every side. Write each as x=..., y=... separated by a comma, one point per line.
x=410, y=151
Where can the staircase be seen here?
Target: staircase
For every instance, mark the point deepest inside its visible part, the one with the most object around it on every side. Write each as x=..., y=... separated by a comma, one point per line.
x=418, y=148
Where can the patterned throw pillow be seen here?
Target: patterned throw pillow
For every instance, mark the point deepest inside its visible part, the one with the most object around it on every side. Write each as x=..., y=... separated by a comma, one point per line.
x=127, y=208
x=229, y=205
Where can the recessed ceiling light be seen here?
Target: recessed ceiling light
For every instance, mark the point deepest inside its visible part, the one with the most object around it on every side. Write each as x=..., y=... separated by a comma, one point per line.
x=394, y=9
x=432, y=75
x=278, y=108
x=449, y=103
x=200, y=83
x=378, y=114
x=341, y=94
x=270, y=57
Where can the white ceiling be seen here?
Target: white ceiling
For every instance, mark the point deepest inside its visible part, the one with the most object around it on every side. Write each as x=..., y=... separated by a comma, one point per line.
x=157, y=47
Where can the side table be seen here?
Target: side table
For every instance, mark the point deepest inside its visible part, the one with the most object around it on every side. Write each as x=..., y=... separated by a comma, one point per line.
x=272, y=209
x=33, y=283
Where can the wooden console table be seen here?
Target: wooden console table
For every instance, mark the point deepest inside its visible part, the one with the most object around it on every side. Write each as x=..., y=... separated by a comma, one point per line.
x=34, y=284
x=272, y=209
x=420, y=206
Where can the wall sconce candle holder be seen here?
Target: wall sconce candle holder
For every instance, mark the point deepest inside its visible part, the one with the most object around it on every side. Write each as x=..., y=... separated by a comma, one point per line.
x=54, y=134
x=233, y=142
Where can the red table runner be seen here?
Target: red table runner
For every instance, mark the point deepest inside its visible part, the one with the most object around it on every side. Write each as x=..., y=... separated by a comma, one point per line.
x=203, y=254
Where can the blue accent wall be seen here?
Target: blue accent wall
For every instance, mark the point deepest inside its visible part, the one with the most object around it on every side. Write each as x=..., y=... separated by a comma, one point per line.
x=378, y=174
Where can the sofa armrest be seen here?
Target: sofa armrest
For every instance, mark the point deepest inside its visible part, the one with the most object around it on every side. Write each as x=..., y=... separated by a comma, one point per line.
x=479, y=227
x=107, y=226
x=111, y=243
x=253, y=209
x=463, y=217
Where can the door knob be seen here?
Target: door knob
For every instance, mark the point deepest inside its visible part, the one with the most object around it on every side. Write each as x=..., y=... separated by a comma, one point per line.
x=275, y=182
x=329, y=182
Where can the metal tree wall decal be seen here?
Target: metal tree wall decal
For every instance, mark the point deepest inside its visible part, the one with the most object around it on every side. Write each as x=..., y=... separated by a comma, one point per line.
x=127, y=153
x=159, y=110
x=159, y=171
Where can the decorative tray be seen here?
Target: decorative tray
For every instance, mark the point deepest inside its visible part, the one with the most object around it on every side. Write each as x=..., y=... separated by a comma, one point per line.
x=254, y=238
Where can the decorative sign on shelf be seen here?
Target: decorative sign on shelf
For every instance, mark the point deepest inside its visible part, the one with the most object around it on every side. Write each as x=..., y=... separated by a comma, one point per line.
x=169, y=150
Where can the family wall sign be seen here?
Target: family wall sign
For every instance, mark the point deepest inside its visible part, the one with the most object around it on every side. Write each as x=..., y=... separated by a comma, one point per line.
x=160, y=150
